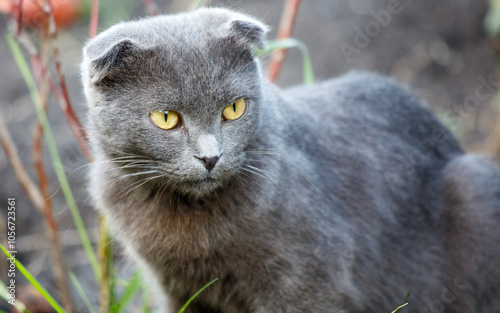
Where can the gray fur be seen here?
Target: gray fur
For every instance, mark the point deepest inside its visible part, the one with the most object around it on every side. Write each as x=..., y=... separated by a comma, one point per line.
x=339, y=197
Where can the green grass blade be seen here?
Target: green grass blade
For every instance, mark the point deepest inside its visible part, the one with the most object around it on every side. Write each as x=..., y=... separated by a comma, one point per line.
x=113, y=281
x=491, y=21
x=35, y=283
x=145, y=303
x=405, y=302
x=196, y=4
x=113, y=275
x=196, y=295
x=129, y=293
x=3, y=294
x=56, y=160
x=407, y=297
x=81, y=292
x=274, y=45
x=400, y=307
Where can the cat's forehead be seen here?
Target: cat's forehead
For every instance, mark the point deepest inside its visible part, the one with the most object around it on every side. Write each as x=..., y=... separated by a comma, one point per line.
x=185, y=30
x=197, y=55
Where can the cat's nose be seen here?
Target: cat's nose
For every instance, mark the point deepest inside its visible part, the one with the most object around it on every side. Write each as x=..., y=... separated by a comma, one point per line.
x=209, y=162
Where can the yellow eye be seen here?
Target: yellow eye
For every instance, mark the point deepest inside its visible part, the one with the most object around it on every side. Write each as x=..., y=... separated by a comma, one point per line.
x=235, y=110
x=165, y=119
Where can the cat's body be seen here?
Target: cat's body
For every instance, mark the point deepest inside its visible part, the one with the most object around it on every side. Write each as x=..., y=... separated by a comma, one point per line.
x=339, y=197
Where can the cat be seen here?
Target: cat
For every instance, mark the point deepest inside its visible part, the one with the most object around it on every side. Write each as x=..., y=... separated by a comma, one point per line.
x=338, y=197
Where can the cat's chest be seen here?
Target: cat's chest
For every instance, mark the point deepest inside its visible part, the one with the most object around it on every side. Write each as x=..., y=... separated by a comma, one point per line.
x=164, y=231
x=166, y=228
x=189, y=252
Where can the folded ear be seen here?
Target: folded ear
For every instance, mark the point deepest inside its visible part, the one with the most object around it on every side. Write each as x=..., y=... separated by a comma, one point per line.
x=106, y=62
x=248, y=31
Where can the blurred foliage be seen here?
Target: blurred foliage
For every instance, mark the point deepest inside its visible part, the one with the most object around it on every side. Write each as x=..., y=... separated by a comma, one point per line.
x=274, y=45
x=492, y=19
x=112, y=11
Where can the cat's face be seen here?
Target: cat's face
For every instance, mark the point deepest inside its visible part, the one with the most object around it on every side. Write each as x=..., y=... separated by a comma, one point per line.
x=177, y=98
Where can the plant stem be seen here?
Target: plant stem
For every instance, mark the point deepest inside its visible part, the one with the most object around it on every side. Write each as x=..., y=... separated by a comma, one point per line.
x=49, y=221
x=94, y=18
x=56, y=160
x=284, y=31
x=33, y=192
x=150, y=7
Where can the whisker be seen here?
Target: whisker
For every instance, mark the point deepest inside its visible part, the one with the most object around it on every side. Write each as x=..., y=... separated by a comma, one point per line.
x=262, y=151
x=258, y=169
x=142, y=182
x=118, y=151
x=258, y=160
x=163, y=186
x=254, y=172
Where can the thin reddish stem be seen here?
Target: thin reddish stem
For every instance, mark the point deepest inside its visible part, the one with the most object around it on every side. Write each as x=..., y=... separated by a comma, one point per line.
x=59, y=267
x=17, y=13
x=284, y=31
x=42, y=178
x=29, y=186
x=104, y=292
x=67, y=109
x=65, y=105
x=94, y=18
x=150, y=7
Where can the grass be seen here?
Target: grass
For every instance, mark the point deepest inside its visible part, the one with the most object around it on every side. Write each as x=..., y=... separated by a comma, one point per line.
x=131, y=289
x=275, y=45
x=81, y=292
x=18, y=304
x=195, y=295
x=54, y=154
x=35, y=283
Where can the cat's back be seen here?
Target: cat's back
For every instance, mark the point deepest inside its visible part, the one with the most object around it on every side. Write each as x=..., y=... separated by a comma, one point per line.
x=370, y=143
x=368, y=117
x=367, y=108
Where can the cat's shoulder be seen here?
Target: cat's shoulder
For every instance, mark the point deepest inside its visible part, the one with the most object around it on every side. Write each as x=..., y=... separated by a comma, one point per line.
x=361, y=95
x=359, y=105
x=357, y=89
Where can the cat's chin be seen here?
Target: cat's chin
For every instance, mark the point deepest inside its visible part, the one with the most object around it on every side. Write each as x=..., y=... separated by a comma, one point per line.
x=199, y=188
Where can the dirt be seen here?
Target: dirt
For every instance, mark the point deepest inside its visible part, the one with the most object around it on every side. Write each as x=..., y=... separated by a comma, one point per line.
x=438, y=48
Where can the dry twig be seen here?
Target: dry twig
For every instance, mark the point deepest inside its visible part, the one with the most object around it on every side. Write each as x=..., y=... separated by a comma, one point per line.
x=94, y=18
x=104, y=295
x=51, y=226
x=284, y=31
x=65, y=106
x=33, y=192
x=150, y=7
x=17, y=12
x=50, y=223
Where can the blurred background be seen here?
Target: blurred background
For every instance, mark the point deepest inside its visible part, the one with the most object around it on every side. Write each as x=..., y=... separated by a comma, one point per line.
x=444, y=50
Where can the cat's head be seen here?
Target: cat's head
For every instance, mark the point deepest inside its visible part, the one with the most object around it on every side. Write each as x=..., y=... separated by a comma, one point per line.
x=177, y=97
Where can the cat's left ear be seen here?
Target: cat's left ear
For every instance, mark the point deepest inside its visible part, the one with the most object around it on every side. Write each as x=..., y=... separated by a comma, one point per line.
x=248, y=31
x=108, y=61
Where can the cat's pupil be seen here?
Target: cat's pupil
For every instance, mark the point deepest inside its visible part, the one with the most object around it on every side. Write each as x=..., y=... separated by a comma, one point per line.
x=234, y=107
x=165, y=113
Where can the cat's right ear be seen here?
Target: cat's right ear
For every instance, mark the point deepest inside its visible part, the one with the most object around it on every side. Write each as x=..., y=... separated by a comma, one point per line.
x=247, y=32
x=107, y=62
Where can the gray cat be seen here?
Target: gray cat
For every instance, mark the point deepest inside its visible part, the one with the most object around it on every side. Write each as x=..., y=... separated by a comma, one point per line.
x=340, y=197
